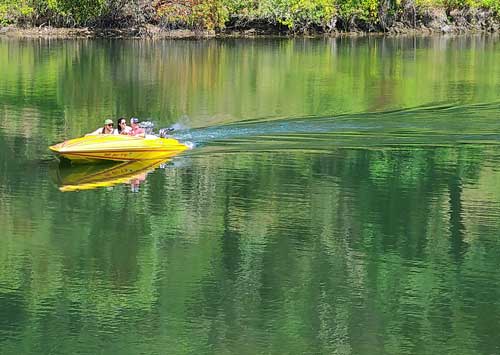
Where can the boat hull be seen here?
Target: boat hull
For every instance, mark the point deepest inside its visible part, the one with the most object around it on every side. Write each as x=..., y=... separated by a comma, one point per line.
x=117, y=148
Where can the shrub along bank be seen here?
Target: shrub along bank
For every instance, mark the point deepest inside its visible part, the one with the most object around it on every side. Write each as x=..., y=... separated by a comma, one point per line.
x=258, y=16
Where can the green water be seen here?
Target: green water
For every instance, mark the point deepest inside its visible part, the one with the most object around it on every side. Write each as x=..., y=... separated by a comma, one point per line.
x=342, y=197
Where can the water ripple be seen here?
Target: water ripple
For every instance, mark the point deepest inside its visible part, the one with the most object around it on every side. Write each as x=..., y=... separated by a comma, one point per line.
x=420, y=126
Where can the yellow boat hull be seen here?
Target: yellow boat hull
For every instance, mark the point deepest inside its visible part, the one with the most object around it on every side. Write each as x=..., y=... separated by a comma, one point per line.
x=118, y=148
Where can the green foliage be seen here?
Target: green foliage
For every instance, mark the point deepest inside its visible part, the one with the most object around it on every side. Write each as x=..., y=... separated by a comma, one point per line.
x=487, y=4
x=4, y=14
x=302, y=14
x=199, y=14
x=361, y=9
x=81, y=11
x=242, y=7
x=493, y=5
x=59, y=12
x=12, y=10
x=297, y=15
x=209, y=14
x=460, y=4
x=173, y=13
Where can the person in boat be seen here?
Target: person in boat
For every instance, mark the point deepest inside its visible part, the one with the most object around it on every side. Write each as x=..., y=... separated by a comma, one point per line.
x=122, y=126
x=106, y=129
x=135, y=129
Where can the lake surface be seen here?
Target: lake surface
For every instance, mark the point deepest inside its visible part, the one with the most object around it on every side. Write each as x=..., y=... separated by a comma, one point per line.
x=342, y=197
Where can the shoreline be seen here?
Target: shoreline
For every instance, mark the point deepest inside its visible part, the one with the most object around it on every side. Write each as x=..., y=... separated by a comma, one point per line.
x=157, y=33
x=429, y=23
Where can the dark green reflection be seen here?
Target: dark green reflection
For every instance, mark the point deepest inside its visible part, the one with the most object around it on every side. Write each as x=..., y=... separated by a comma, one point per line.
x=265, y=252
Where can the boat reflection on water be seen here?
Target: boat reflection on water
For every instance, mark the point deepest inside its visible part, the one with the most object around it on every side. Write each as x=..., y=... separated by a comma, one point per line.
x=91, y=176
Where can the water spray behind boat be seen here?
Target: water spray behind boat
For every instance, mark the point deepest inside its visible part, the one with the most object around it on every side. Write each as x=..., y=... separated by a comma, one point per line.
x=149, y=127
x=167, y=132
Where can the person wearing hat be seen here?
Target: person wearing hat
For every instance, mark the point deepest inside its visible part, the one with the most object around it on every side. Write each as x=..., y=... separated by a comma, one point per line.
x=106, y=129
x=136, y=130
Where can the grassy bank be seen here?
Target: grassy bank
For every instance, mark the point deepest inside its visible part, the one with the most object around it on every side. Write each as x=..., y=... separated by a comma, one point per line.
x=256, y=16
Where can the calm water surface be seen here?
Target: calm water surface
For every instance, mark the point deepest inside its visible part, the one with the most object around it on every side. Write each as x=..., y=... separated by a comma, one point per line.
x=342, y=197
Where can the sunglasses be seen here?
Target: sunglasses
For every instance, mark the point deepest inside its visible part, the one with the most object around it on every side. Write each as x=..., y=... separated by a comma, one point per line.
x=109, y=125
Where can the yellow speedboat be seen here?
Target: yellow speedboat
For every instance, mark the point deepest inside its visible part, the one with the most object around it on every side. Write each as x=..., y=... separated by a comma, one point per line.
x=118, y=148
x=92, y=176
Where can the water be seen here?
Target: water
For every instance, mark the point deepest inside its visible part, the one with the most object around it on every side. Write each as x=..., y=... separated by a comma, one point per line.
x=342, y=197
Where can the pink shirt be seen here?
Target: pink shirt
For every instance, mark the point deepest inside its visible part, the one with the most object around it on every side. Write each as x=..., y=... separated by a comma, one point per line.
x=136, y=131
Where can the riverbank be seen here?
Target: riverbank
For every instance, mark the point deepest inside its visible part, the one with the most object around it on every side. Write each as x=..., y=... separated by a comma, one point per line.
x=410, y=21
x=155, y=32
x=147, y=31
